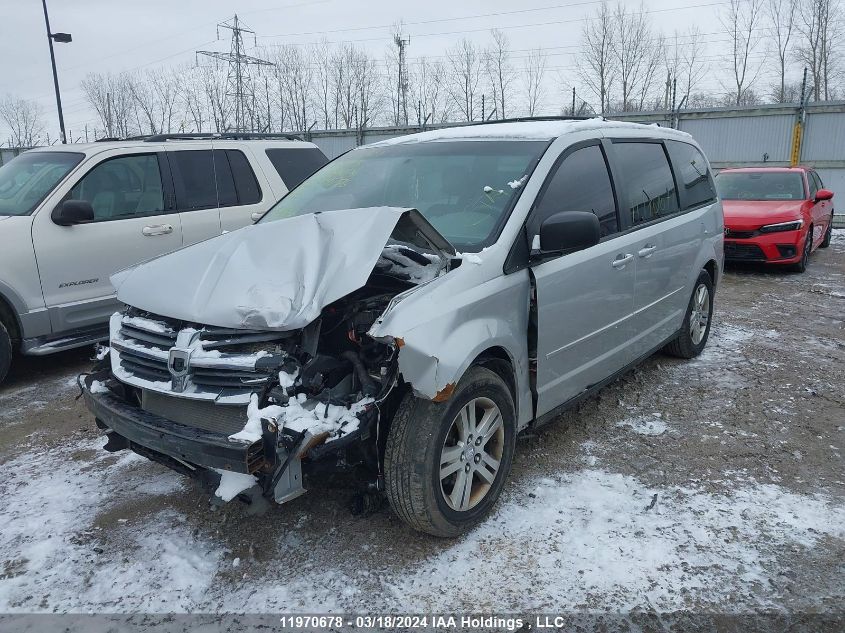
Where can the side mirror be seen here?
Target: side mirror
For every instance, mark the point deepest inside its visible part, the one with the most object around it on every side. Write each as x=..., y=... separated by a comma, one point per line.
x=72, y=212
x=568, y=231
x=823, y=194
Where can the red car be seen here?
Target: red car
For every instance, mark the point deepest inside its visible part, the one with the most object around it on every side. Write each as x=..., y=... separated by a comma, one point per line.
x=776, y=215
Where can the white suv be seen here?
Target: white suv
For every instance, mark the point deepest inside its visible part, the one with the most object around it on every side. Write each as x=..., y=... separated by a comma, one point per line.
x=72, y=215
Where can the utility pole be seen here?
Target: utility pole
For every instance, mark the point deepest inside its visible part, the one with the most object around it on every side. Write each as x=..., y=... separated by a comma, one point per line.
x=402, y=88
x=63, y=38
x=238, y=78
x=798, y=129
x=573, y=100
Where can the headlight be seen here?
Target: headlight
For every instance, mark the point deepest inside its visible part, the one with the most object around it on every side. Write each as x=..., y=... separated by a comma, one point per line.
x=794, y=225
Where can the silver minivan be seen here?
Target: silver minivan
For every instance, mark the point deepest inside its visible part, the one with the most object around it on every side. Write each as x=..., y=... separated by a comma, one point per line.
x=398, y=318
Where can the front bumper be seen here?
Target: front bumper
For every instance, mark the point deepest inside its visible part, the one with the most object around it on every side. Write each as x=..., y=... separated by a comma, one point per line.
x=773, y=248
x=183, y=443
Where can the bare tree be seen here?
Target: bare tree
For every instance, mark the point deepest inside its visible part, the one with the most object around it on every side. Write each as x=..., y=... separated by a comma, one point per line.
x=741, y=21
x=499, y=70
x=534, y=72
x=820, y=27
x=428, y=91
x=111, y=98
x=193, y=98
x=595, y=63
x=684, y=65
x=464, y=75
x=636, y=53
x=324, y=97
x=781, y=15
x=295, y=77
x=23, y=118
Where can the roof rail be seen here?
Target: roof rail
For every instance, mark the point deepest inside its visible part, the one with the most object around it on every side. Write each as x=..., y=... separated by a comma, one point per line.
x=528, y=119
x=228, y=136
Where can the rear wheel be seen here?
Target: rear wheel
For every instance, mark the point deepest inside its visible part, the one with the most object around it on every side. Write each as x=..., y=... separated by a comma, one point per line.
x=445, y=463
x=801, y=266
x=696, y=328
x=828, y=234
x=5, y=352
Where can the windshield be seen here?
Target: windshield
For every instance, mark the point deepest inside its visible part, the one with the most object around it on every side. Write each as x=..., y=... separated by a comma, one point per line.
x=464, y=188
x=760, y=185
x=26, y=180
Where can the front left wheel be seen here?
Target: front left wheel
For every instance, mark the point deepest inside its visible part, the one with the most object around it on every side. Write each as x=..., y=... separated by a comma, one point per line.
x=445, y=463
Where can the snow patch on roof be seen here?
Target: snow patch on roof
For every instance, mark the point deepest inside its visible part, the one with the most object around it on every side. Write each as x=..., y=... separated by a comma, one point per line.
x=525, y=130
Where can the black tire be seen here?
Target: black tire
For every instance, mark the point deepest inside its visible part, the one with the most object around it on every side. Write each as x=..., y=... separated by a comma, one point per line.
x=415, y=447
x=828, y=235
x=5, y=352
x=801, y=266
x=685, y=345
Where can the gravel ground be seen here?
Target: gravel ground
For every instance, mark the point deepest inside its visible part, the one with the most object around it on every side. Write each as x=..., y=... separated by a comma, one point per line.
x=714, y=485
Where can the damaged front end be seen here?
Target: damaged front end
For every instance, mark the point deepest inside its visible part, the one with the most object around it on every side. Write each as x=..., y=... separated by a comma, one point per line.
x=253, y=411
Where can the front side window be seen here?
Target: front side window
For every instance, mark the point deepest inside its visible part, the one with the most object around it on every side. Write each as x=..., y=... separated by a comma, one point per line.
x=581, y=183
x=27, y=179
x=122, y=187
x=466, y=189
x=760, y=185
x=648, y=181
x=693, y=174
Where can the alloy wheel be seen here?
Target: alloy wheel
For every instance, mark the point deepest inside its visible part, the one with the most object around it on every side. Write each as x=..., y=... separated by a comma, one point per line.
x=471, y=454
x=700, y=314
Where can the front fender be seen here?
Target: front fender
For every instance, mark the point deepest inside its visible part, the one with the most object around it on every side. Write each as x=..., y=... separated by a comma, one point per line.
x=436, y=349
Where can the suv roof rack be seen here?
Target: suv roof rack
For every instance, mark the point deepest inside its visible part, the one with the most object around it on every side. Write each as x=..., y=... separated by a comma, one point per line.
x=229, y=136
x=528, y=119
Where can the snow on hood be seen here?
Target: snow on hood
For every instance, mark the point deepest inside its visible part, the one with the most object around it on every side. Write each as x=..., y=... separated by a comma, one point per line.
x=275, y=275
x=4, y=217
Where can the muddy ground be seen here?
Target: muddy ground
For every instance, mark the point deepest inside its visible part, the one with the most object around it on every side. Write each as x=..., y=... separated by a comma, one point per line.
x=713, y=485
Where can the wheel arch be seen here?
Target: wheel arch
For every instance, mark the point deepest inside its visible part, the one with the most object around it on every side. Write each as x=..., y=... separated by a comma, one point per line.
x=9, y=318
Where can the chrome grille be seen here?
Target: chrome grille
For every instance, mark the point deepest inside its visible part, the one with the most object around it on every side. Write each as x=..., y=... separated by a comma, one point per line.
x=143, y=342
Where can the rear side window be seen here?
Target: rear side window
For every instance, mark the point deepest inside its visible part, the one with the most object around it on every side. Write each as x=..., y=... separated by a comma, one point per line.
x=246, y=184
x=648, y=181
x=193, y=178
x=692, y=173
x=580, y=183
x=295, y=165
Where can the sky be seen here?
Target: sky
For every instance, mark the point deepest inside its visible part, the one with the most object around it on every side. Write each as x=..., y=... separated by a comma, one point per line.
x=114, y=36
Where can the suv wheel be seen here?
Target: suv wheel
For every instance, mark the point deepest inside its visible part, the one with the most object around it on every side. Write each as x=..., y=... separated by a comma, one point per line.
x=828, y=234
x=445, y=464
x=5, y=352
x=696, y=328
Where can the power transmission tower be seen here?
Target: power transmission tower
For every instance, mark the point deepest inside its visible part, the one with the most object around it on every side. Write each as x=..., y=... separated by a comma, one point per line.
x=402, y=92
x=239, y=86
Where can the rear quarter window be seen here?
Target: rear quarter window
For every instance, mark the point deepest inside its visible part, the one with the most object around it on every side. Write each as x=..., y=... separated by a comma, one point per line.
x=295, y=164
x=692, y=173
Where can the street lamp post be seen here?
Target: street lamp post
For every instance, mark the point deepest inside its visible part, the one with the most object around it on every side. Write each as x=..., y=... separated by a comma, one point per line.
x=62, y=38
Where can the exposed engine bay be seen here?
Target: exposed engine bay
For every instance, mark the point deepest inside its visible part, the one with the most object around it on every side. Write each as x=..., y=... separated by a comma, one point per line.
x=313, y=396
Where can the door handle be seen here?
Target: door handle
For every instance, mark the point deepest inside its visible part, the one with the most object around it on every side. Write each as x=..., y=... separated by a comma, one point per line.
x=646, y=250
x=256, y=216
x=622, y=260
x=157, y=229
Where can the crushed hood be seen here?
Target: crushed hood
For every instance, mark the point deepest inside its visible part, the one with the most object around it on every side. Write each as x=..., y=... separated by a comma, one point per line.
x=276, y=275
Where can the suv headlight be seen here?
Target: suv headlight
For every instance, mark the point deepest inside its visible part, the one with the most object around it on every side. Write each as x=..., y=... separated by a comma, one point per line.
x=793, y=225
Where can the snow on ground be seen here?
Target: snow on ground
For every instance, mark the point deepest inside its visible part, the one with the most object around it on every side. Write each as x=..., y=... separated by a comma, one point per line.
x=586, y=539
x=592, y=538
x=645, y=425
